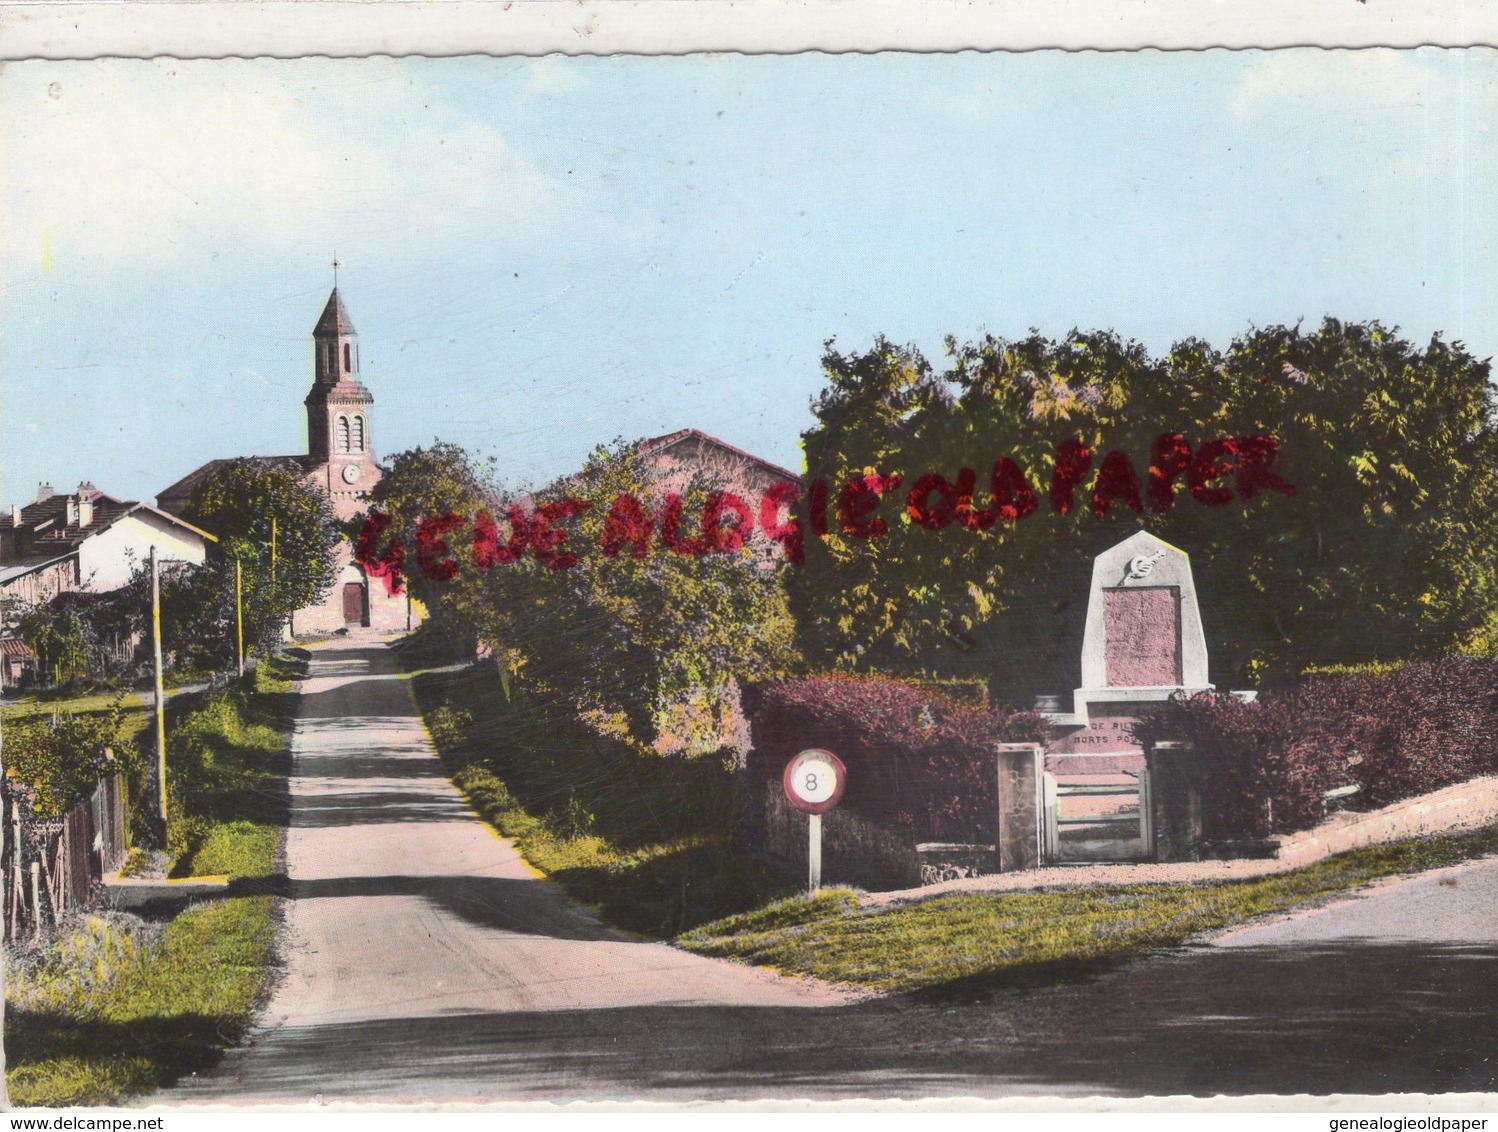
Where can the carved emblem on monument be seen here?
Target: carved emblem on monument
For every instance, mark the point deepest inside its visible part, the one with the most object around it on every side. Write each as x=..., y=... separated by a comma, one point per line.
x=1141, y=566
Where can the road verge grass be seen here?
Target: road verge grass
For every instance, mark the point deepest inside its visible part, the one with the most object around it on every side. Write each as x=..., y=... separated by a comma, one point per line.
x=654, y=844
x=228, y=759
x=111, y=1006
x=974, y=944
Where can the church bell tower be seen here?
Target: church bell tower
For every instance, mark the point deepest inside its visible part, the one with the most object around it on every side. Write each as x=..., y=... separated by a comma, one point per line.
x=338, y=405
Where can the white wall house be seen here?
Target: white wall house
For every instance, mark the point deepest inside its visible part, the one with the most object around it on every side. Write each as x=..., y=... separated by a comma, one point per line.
x=86, y=541
x=105, y=559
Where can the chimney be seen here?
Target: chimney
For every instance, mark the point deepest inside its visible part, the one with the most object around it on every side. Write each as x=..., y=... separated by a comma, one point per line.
x=85, y=509
x=44, y=492
x=72, y=510
x=15, y=515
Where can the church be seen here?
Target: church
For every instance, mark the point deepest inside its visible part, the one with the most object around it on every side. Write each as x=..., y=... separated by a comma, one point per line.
x=340, y=462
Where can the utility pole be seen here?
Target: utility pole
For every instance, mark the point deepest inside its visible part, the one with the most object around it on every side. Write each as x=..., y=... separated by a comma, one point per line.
x=239, y=614
x=272, y=556
x=160, y=692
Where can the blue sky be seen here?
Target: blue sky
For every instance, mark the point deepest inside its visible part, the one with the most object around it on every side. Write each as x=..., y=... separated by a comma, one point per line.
x=540, y=255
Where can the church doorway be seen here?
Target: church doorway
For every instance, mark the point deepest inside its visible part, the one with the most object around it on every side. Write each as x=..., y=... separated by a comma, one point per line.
x=355, y=603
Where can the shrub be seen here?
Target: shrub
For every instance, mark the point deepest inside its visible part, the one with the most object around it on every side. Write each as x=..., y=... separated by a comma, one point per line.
x=1394, y=732
x=59, y=640
x=915, y=759
x=60, y=762
x=449, y=726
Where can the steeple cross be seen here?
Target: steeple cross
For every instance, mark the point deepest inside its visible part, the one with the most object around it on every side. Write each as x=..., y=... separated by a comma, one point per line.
x=335, y=271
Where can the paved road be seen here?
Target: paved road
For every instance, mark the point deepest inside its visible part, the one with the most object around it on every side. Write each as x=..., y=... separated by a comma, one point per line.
x=406, y=913
x=423, y=960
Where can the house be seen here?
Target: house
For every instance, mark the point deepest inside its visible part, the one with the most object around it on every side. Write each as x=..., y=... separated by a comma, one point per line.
x=689, y=452
x=690, y=459
x=86, y=541
x=339, y=462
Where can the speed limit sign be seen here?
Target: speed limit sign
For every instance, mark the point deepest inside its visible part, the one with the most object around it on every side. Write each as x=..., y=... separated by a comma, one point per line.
x=814, y=781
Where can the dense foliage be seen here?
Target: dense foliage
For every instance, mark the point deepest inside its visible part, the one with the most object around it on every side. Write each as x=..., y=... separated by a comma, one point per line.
x=59, y=638
x=648, y=646
x=55, y=764
x=80, y=635
x=1266, y=765
x=915, y=759
x=1359, y=530
x=281, y=533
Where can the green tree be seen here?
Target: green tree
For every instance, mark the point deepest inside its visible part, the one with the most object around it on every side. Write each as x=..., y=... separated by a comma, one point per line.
x=424, y=484
x=239, y=504
x=61, y=762
x=58, y=638
x=1384, y=551
x=642, y=645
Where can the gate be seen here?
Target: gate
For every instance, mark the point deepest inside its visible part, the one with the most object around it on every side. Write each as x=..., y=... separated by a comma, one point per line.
x=1096, y=813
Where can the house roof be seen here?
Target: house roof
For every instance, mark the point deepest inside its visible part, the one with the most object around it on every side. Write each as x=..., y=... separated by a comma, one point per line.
x=658, y=444
x=45, y=521
x=182, y=490
x=14, y=570
x=49, y=532
x=335, y=321
x=146, y=508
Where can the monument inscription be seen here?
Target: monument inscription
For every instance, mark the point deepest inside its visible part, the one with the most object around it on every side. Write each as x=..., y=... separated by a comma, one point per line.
x=1142, y=636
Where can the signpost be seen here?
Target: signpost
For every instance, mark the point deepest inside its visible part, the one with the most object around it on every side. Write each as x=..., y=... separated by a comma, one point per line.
x=813, y=783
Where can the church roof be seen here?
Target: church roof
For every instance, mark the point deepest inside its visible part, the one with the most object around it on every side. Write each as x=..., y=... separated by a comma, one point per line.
x=179, y=493
x=335, y=321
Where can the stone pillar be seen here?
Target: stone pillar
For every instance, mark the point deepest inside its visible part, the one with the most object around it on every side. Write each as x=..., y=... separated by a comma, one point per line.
x=1020, y=766
x=1175, y=798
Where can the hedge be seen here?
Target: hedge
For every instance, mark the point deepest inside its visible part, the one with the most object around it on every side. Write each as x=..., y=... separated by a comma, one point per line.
x=1267, y=765
x=916, y=759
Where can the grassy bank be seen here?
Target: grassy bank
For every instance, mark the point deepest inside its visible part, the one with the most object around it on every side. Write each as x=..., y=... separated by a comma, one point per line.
x=114, y=1007
x=228, y=761
x=655, y=844
x=976, y=943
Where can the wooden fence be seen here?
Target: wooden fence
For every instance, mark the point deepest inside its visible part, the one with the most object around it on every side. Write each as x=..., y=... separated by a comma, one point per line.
x=49, y=867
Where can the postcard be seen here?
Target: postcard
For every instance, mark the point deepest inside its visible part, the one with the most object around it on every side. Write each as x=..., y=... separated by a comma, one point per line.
x=765, y=578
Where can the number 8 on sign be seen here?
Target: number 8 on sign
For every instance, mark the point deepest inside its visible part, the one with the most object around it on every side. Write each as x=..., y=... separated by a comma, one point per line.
x=814, y=781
